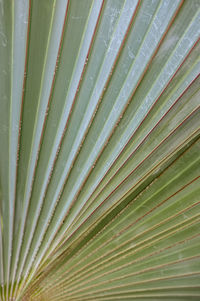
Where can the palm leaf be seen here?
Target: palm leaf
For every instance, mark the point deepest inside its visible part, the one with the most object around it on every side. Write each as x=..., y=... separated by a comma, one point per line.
x=99, y=150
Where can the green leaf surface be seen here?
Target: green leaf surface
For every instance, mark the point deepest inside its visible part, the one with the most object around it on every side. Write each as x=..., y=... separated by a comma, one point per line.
x=99, y=150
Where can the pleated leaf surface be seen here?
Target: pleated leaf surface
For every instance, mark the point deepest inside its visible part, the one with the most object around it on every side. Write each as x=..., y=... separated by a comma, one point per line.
x=99, y=150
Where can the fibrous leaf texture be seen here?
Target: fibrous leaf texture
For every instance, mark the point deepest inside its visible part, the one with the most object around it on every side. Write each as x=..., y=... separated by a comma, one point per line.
x=99, y=150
